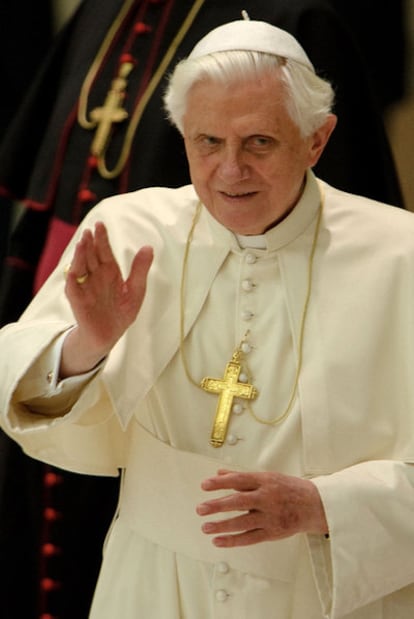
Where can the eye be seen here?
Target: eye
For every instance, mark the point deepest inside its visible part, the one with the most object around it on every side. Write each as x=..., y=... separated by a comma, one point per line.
x=260, y=143
x=209, y=140
x=207, y=143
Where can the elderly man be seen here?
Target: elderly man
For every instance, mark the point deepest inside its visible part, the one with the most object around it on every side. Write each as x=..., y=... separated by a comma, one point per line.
x=239, y=348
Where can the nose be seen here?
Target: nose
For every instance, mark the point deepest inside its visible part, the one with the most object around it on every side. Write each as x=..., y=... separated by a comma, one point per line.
x=232, y=167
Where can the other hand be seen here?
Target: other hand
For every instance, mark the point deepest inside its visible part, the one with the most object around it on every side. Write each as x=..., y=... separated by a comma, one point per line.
x=272, y=506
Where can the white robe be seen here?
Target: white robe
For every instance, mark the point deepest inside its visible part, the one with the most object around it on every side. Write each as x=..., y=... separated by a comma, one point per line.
x=351, y=428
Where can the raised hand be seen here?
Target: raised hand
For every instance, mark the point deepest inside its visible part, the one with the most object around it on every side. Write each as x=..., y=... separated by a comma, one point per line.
x=271, y=505
x=104, y=304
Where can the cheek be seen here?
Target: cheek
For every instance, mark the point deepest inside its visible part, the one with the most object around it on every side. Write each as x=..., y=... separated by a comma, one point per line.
x=300, y=156
x=201, y=168
x=287, y=167
x=200, y=178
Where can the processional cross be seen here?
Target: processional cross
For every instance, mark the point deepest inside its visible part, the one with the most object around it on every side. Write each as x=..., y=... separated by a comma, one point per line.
x=111, y=112
x=228, y=388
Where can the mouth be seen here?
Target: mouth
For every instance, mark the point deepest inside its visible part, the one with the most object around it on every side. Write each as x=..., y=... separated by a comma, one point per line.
x=238, y=195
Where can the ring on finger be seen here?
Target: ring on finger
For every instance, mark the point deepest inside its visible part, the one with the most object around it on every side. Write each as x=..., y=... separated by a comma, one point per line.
x=82, y=279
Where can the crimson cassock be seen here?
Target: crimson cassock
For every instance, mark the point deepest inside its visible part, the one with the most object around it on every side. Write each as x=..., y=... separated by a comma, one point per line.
x=46, y=162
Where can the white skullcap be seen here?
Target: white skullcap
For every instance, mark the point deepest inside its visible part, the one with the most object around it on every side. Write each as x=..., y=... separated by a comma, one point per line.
x=254, y=36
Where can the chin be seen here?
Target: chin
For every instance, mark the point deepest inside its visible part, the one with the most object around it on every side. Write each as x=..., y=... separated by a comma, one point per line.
x=243, y=228
x=237, y=222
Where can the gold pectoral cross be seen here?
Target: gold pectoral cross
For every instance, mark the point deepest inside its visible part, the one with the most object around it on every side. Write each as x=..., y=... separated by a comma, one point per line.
x=228, y=388
x=111, y=112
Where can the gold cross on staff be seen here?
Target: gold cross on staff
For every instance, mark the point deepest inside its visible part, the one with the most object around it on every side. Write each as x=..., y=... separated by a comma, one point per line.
x=112, y=111
x=229, y=388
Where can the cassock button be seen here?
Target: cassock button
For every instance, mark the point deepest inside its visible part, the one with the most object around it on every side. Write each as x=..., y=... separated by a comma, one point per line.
x=247, y=285
x=232, y=439
x=221, y=595
x=250, y=258
x=247, y=315
x=237, y=409
x=49, y=377
x=243, y=378
x=246, y=348
x=142, y=28
x=223, y=567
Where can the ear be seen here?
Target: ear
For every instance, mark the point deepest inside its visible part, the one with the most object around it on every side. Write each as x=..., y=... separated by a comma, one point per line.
x=319, y=139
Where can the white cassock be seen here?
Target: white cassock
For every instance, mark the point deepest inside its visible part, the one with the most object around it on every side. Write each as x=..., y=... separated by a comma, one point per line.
x=351, y=427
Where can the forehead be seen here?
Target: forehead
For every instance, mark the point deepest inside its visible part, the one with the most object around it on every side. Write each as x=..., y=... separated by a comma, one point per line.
x=259, y=99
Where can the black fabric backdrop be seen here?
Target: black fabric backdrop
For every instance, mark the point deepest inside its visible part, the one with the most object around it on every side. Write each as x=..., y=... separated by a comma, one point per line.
x=25, y=38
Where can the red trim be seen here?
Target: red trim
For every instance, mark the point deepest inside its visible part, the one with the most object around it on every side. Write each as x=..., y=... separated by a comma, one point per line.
x=35, y=206
x=58, y=236
x=18, y=263
x=26, y=202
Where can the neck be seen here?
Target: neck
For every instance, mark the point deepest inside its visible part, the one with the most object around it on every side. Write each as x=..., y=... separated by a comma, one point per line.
x=290, y=208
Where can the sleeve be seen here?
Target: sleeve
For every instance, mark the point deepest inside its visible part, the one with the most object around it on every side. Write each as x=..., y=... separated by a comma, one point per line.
x=85, y=436
x=43, y=392
x=370, y=554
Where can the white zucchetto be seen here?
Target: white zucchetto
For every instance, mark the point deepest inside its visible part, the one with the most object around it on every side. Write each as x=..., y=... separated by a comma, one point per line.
x=249, y=35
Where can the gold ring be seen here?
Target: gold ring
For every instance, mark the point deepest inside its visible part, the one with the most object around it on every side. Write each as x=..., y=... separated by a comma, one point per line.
x=82, y=279
x=79, y=280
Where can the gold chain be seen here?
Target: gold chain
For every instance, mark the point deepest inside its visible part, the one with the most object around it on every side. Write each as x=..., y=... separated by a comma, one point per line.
x=182, y=294
x=83, y=120
x=239, y=351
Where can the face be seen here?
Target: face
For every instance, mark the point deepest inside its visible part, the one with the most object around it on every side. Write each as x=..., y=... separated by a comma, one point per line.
x=247, y=158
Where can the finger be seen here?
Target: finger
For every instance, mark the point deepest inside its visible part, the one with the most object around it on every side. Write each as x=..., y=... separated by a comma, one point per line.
x=141, y=264
x=240, y=501
x=247, y=538
x=78, y=264
x=244, y=522
x=91, y=254
x=231, y=480
x=103, y=248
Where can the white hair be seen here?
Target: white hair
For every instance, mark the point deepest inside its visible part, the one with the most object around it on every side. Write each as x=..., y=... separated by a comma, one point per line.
x=309, y=98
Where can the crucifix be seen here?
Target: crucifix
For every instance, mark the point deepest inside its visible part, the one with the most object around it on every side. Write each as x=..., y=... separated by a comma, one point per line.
x=228, y=388
x=112, y=111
